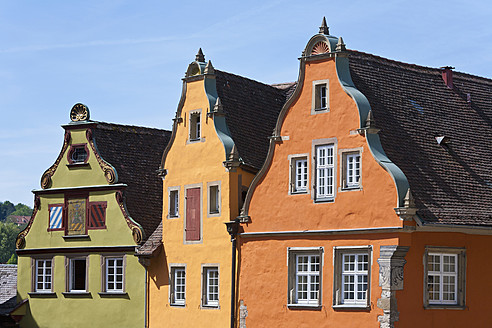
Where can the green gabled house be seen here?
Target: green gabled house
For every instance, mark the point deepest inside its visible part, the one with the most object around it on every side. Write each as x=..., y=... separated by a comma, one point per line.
x=98, y=203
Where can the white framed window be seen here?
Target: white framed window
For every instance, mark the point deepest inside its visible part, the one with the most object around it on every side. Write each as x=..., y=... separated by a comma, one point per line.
x=77, y=268
x=320, y=98
x=352, y=272
x=325, y=172
x=195, y=126
x=351, y=169
x=114, y=274
x=444, y=272
x=210, y=286
x=173, y=202
x=213, y=198
x=178, y=285
x=305, y=266
x=43, y=275
x=298, y=174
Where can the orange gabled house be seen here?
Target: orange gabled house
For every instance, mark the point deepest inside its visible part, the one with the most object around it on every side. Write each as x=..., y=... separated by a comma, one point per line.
x=373, y=206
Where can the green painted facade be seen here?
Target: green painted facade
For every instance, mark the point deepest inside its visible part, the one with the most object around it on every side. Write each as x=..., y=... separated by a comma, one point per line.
x=96, y=307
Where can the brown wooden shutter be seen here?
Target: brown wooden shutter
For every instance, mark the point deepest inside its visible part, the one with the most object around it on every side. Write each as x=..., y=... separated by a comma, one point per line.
x=193, y=214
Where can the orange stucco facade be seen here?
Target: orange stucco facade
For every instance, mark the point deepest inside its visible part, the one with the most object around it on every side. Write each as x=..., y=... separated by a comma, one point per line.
x=281, y=223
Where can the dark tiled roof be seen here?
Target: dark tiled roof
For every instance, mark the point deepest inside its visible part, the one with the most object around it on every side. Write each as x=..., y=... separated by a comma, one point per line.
x=152, y=243
x=251, y=111
x=412, y=105
x=8, y=288
x=135, y=153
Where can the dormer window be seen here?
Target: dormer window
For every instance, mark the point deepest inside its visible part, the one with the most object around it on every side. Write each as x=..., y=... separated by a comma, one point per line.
x=320, y=101
x=78, y=154
x=195, y=126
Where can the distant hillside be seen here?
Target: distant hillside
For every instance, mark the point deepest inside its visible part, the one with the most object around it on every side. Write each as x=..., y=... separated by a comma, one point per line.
x=7, y=208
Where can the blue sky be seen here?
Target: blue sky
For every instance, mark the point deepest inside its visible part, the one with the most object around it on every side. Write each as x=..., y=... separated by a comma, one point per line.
x=125, y=59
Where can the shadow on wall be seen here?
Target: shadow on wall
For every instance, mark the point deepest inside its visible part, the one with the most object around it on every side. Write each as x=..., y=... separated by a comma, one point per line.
x=158, y=271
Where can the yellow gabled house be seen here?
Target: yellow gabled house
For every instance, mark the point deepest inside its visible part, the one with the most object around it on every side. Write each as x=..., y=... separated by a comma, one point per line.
x=218, y=143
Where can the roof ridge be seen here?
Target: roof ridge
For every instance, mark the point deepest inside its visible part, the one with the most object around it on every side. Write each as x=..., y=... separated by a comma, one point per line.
x=416, y=66
x=149, y=130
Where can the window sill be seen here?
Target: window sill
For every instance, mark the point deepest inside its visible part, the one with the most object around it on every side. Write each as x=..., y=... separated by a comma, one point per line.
x=113, y=294
x=351, y=188
x=73, y=165
x=210, y=307
x=173, y=216
x=178, y=305
x=77, y=237
x=444, y=307
x=77, y=294
x=303, y=192
x=42, y=294
x=314, y=307
x=325, y=200
x=351, y=307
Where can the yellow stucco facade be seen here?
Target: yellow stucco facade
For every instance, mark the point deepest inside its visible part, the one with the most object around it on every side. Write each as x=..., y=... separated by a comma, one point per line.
x=195, y=164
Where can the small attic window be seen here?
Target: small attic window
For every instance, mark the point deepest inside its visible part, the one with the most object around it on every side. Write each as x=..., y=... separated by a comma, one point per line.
x=195, y=126
x=78, y=154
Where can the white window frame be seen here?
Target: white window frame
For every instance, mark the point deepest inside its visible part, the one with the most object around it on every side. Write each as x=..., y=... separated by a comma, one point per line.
x=346, y=170
x=298, y=166
x=45, y=277
x=341, y=272
x=173, y=290
x=170, y=191
x=325, y=172
x=318, y=98
x=458, y=274
x=314, y=278
x=210, y=186
x=207, y=276
x=70, y=270
x=106, y=274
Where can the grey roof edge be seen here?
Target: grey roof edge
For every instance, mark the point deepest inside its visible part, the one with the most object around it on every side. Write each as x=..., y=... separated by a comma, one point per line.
x=373, y=140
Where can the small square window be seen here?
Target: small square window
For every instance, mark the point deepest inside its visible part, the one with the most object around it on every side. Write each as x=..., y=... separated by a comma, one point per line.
x=114, y=274
x=352, y=277
x=43, y=275
x=351, y=170
x=305, y=266
x=298, y=175
x=444, y=272
x=213, y=199
x=320, y=101
x=178, y=286
x=174, y=203
x=195, y=126
x=77, y=274
x=210, y=285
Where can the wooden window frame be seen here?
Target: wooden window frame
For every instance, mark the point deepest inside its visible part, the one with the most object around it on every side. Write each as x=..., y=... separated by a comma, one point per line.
x=171, y=191
x=344, y=155
x=195, y=126
x=293, y=174
x=293, y=254
x=338, y=274
x=72, y=149
x=34, y=275
x=460, y=255
x=316, y=103
x=318, y=144
x=200, y=240
x=211, y=213
x=68, y=274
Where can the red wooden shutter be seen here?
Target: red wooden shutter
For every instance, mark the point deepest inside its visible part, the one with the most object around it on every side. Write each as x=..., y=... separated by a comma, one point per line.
x=193, y=214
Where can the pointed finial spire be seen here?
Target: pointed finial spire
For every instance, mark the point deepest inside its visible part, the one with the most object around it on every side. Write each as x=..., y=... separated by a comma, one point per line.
x=209, y=69
x=340, y=45
x=323, y=29
x=370, y=120
x=233, y=155
x=218, y=106
x=199, y=56
x=408, y=200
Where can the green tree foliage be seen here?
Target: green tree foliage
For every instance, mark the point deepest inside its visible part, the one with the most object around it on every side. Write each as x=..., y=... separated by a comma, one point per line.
x=6, y=208
x=8, y=234
x=13, y=259
x=21, y=209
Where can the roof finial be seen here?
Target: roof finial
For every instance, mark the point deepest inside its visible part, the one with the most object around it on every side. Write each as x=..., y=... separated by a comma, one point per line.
x=218, y=106
x=233, y=155
x=370, y=120
x=324, y=28
x=209, y=69
x=408, y=200
x=199, y=56
x=340, y=45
